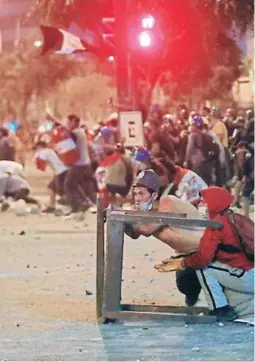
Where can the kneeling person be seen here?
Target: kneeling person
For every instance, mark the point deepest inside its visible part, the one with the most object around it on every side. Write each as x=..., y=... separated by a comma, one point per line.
x=219, y=261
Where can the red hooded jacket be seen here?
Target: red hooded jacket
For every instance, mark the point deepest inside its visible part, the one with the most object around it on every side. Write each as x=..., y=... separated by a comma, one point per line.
x=217, y=200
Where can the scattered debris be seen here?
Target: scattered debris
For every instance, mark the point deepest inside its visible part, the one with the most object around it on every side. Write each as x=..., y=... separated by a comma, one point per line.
x=195, y=349
x=87, y=292
x=221, y=324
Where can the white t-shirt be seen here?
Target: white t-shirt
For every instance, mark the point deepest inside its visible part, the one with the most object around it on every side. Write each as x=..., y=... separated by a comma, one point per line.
x=82, y=146
x=51, y=158
x=190, y=186
x=12, y=167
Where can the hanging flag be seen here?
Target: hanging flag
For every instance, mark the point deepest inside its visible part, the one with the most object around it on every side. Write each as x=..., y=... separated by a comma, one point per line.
x=62, y=42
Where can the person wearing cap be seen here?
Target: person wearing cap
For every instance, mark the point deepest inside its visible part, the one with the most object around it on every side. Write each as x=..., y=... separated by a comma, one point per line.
x=181, y=240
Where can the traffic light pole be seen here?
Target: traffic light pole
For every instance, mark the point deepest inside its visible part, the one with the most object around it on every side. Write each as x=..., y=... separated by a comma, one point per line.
x=121, y=53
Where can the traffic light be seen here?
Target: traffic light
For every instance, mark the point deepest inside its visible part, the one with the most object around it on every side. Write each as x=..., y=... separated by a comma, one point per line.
x=144, y=34
x=145, y=39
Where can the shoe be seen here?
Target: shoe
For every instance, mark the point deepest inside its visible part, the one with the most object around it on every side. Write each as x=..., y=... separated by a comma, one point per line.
x=191, y=300
x=222, y=314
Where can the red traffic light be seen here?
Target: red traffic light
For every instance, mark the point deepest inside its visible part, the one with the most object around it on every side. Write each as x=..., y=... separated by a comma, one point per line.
x=145, y=39
x=148, y=22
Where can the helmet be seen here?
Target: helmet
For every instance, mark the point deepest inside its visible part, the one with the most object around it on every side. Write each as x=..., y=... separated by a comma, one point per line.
x=142, y=155
x=148, y=179
x=197, y=121
x=106, y=132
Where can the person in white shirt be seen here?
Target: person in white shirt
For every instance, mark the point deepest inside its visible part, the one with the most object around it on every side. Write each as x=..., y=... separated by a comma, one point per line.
x=44, y=157
x=12, y=167
x=16, y=187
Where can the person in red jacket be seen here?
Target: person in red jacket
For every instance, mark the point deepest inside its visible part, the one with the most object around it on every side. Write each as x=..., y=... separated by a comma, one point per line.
x=219, y=260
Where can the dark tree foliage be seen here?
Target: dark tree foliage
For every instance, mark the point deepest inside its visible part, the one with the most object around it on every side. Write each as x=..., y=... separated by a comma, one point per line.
x=196, y=33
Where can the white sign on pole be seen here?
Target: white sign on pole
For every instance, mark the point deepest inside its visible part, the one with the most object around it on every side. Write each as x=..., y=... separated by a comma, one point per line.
x=131, y=128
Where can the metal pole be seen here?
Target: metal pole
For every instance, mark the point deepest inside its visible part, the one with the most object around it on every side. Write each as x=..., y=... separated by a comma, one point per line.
x=121, y=51
x=100, y=258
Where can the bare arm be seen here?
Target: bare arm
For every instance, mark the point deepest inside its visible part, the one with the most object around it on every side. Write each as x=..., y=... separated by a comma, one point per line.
x=151, y=229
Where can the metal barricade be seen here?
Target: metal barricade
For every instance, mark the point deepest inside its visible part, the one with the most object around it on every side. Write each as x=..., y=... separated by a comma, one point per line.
x=109, y=267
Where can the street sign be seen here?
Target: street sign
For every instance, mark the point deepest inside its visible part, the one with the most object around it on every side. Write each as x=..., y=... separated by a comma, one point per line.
x=131, y=128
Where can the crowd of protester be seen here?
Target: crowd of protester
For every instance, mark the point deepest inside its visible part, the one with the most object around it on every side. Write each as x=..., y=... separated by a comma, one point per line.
x=188, y=147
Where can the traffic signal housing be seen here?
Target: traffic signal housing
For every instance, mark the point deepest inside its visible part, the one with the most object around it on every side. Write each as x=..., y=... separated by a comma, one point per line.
x=144, y=34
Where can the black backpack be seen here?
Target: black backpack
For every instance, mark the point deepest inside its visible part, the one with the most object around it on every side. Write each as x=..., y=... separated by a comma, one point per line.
x=243, y=229
x=209, y=147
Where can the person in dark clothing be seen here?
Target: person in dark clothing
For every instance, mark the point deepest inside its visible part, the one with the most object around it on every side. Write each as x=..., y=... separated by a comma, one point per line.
x=195, y=159
x=7, y=151
x=80, y=174
x=248, y=179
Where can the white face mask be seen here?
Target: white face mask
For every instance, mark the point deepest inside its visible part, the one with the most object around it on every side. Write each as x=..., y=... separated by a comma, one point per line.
x=146, y=206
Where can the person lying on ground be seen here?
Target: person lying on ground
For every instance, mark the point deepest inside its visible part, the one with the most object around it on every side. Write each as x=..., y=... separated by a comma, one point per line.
x=15, y=187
